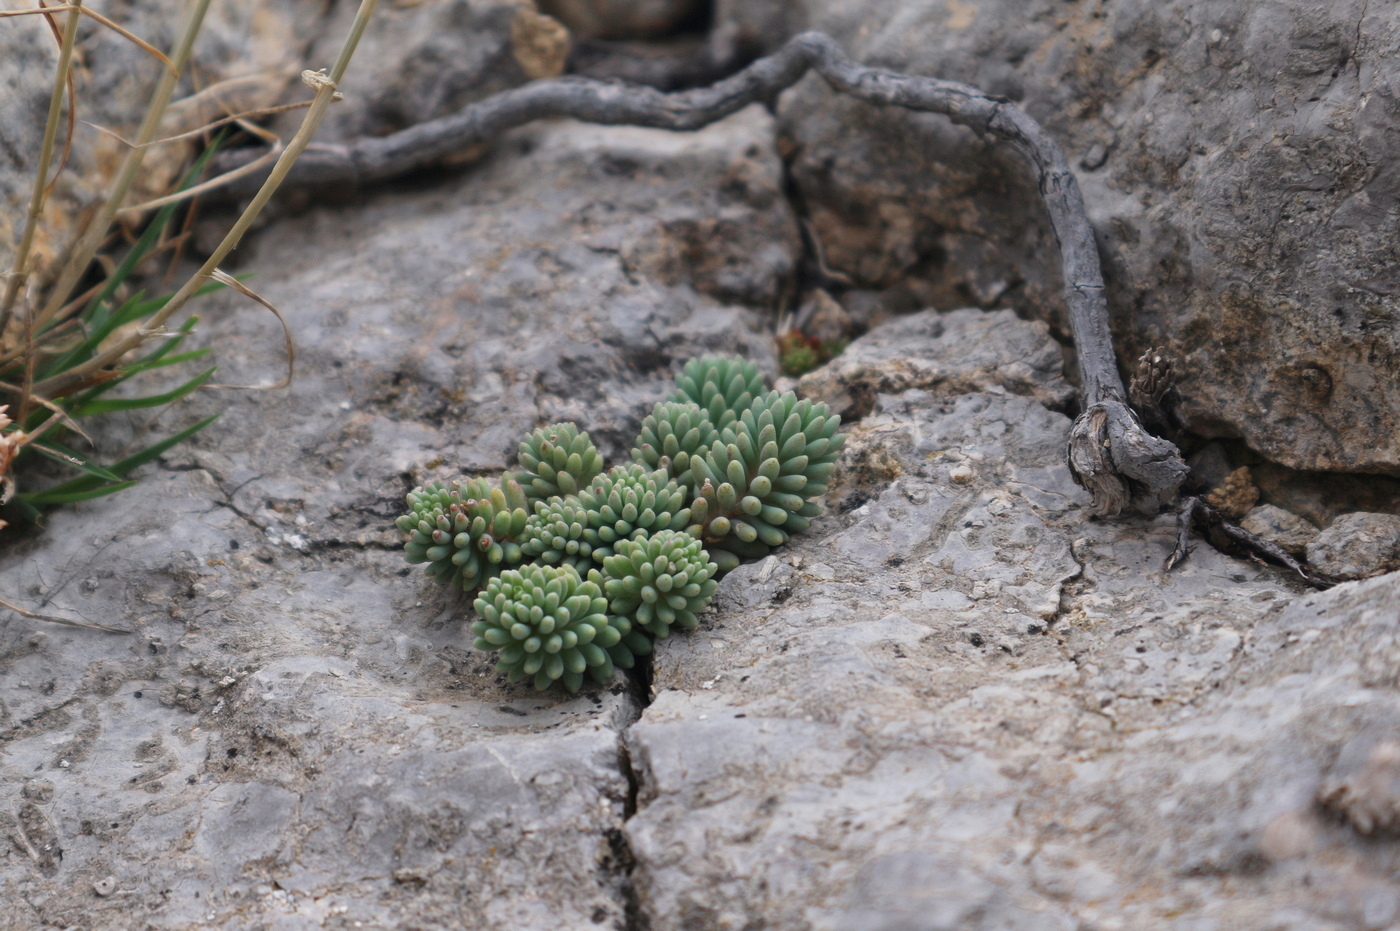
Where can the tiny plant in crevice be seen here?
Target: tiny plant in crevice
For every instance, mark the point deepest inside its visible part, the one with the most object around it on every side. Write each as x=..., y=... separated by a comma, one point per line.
x=799, y=353
x=579, y=569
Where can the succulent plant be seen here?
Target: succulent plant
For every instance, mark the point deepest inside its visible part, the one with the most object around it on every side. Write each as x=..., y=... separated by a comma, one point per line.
x=760, y=480
x=465, y=531
x=557, y=460
x=672, y=434
x=554, y=534
x=547, y=623
x=723, y=386
x=721, y=472
x=659, y=582
x=627, y=501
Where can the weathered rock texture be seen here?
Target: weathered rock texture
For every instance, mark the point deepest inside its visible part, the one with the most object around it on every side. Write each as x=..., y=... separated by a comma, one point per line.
x=621, y=19
x=957, y=702
x=1239, y=161
x=423, y=60
x=1358, y=545
x=960, y=705
x=1280, y=527
x=298, y=734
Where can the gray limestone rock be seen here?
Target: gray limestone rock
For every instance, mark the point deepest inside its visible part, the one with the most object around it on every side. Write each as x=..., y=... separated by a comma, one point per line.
x=1238, y=161
x=946, y=354
x=297, y=733
x=960, y=704
x=1280, y=527
x=419, y=61
x=620, y=19
x=957, y=702
x=1355, y=546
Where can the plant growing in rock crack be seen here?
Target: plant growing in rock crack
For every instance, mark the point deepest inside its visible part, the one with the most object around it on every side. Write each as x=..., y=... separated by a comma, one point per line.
x=579, y=568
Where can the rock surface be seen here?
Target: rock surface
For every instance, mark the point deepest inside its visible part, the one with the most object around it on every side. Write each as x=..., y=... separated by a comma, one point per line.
x=620, y=19
x=424, y=60
x=1238, y=160
x=298, y=733
x=958, y=702
x=960, y=705
x=945, y=354
x=1280, y=527
x=1355, y=546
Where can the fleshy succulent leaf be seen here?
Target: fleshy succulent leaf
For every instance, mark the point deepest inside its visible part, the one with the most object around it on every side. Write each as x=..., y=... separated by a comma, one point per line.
x=467, y=531
x=758, y=482
x=659, y=582
x=723, y=387
x=557, y=460
x=672, y=434
x=627, y=501
x=554, y=534
x=548, y=625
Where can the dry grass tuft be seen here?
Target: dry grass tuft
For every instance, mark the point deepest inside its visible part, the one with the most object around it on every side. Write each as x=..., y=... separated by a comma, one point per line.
x=63, y=346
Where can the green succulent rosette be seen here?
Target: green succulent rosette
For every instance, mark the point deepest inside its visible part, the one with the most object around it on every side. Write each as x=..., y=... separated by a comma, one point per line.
x=723, y=387
x=759, y=483
x=557, y=460
x=555, y=534
x=672, y=434
x=659, y=582
x=547, y=624
x=628, y=501
x=465, y=531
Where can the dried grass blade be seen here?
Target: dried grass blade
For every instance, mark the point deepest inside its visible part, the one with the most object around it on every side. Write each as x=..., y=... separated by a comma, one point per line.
x=49, y=618
x=60, y=416
x=43, y=11
x=20, y=269
x=201, y=130
x=92, y=238
x=72, y=87
x=136, y=40
x=224, y=278
x=209, y=185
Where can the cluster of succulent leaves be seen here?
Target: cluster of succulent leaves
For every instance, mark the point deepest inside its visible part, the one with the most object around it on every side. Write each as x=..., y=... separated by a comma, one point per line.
x=578, y=569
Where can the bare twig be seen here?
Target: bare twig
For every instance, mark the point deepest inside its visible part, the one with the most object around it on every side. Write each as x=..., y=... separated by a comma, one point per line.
x=1227, y=535
x=1110, y=451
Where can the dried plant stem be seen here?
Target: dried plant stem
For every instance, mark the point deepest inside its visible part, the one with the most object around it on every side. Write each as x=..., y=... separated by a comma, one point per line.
x=325, y=94
x=36, y=616
x=1110, y=451
x=96, y=232
x=20, y=274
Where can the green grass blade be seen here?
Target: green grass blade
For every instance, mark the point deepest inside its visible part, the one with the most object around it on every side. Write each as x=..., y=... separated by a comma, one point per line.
x=53, y=496
x=152, y=360
x=107, y=406
x=121, y=468
x=147, y=364
x=124, y=466
x=60, y=453
x=149, y=238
